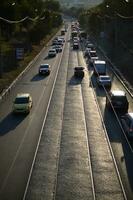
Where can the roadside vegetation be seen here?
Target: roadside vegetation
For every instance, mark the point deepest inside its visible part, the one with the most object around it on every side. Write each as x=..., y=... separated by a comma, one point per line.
x=27, y=24
x=111, y=25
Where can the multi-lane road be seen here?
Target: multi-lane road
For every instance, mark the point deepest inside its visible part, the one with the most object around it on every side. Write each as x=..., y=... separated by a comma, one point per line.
x=61, y=149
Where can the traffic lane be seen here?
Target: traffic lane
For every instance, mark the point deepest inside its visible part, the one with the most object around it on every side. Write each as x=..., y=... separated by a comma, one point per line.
x=29, y=82
x=117, y=85
x=46, y=164
x=29, y=128
x=29, y=79
x=102, y=163
x=121, y=148
x=25, y=85
x=73, y=178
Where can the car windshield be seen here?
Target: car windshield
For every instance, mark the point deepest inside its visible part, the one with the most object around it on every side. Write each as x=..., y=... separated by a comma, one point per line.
x=104, y=78
x=44, y=66
x=93, y=54
x=119, y=98
x=21, y=100
x=52, y=50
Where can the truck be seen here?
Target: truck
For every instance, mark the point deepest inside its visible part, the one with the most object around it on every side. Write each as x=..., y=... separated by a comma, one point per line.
x=99, y=67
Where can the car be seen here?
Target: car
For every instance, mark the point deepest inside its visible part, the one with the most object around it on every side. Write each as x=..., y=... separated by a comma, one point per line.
x=62, y=38
x=75, y=39
x=79, y=72
x=117, y=99
x=86, y=53
x=92, y=55
x=90, y=46
x=99, y=67
x=75, y=45
x=52, y=53
x=58, y=48
x=44, y=69
x=55, y=42
x=127, y=124
x=60, y=42
x=104, y=80
x=22, y=103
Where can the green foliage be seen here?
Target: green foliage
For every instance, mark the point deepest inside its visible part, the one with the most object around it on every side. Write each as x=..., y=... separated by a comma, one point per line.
x=48, y=10
x=93, y=18
x=52, y=5
x=123, y=7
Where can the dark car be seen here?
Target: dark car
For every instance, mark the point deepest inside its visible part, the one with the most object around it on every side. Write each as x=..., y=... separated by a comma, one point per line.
x=127, y=124
x=60, y=42
x=55, y=42
x=104, y=80
x=58, y=48
x=75, y=45
x=79, y=72
x=92, y=56
x=118, y=99
x=44, y=69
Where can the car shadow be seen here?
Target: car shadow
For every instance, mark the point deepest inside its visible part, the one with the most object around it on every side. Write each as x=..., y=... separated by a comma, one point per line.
x=38, y=77
x=46, y=58
x=75, y=81
x=10, y=122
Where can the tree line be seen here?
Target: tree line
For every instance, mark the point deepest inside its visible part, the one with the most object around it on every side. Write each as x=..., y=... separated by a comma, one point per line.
x=46, y=15
x=94, y=18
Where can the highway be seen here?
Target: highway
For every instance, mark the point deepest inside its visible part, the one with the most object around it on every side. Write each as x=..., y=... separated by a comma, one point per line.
x=61, y=149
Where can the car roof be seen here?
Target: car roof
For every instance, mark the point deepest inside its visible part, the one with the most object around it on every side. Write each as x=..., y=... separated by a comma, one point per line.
x=79, y=68
x=118, y=93
x=52, y=50
x=21, y=95
x=44, y=65
x=90, y=44
x=92, y=51
x=130, y=115
x=99, y=61
x=104, y=76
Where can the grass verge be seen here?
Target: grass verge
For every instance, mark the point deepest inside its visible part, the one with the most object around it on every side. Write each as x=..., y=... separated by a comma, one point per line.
x=8, y=77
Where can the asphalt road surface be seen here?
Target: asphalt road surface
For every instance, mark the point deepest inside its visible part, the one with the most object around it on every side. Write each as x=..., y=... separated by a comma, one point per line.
x=65, y=129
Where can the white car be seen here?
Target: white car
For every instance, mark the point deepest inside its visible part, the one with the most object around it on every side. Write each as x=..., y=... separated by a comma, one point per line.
x=22, y=103
x=44, y=69
x=104, y=80
x=52, y=53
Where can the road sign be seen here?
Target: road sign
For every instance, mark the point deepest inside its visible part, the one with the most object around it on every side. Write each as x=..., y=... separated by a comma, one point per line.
x=19, y=53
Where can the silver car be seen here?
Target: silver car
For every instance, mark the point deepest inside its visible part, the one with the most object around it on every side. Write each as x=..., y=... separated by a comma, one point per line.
x=104, y=80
